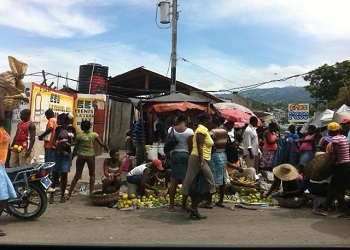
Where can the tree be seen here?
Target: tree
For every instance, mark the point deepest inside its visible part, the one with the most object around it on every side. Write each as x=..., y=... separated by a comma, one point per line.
x=326, y=80
x=342, y=98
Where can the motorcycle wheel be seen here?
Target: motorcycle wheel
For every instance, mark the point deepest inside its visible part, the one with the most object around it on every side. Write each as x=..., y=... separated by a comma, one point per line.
x=33, y=204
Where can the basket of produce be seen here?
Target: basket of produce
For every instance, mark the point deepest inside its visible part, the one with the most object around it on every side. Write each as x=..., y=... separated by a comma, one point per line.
x=100, y=198
x=293, y=202
x=320, y=167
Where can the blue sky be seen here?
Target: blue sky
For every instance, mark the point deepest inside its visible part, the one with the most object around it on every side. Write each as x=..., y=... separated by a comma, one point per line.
x=227, y=44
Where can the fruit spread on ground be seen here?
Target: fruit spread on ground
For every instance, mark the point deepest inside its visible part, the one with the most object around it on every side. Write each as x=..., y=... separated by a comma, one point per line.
x=149, y=200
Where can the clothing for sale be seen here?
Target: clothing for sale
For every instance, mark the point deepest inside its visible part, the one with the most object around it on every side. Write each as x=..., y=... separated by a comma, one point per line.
x=284, y=153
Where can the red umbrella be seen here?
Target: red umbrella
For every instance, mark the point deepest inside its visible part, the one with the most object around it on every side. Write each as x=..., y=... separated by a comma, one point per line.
x=237, y=113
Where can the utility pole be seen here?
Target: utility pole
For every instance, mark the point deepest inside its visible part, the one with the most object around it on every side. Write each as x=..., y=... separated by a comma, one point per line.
x=173, y=48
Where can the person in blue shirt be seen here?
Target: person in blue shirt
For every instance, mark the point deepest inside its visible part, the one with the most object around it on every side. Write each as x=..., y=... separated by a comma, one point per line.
x=139, y=137
x=292, y=134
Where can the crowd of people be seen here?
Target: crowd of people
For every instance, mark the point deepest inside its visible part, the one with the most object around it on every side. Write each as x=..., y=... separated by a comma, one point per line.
x=207, y=151
x=210, y=150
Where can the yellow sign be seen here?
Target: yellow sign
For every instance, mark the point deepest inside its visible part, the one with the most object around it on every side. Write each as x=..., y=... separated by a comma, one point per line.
x=44, y=98
x=84, y=108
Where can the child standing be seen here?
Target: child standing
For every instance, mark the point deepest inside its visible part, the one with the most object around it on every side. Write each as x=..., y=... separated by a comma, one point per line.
x=86, y=154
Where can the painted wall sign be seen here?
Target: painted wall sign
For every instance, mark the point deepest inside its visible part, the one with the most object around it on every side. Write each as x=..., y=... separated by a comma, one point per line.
x=44, y=98
x=84, y=108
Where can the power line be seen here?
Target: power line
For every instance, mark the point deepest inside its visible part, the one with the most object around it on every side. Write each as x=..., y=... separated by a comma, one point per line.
x=228, y=66
x=185, y=60
x=158, y=91
x=96, y=48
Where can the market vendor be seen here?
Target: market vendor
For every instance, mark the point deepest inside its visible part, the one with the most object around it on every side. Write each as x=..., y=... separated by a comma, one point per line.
x=239, y=169
x=288, y=175
x=145, y=176
x=112, y=170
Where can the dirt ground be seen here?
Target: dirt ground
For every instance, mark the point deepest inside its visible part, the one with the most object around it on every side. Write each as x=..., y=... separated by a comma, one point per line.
x=79, y=223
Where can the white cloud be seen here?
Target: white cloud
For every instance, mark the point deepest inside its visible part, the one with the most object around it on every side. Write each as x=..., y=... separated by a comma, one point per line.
x=208, y=68
x=328, y=20
x=57, y=19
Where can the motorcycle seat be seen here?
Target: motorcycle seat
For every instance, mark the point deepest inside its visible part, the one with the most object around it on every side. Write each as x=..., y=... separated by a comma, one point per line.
x=18, y=169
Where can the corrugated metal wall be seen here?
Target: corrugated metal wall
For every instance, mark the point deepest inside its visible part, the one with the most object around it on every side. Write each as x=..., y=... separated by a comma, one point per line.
x=120, y=120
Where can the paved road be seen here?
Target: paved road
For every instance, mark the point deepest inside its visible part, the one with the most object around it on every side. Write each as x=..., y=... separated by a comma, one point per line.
x=78, y=222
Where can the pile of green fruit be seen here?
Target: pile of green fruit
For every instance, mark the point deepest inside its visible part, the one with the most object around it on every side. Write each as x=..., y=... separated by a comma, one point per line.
x=148, y=200
x=141, y=201
x=254, y=197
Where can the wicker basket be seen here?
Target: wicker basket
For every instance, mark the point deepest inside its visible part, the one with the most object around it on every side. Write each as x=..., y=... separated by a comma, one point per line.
x=294, y=202
x=320, y=167
x=100, y=198
x=11, y=104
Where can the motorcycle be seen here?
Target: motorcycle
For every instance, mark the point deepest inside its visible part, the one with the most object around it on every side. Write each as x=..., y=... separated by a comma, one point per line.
x=31, y=183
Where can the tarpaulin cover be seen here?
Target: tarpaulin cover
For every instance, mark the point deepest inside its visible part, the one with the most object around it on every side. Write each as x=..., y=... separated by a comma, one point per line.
x=175, y=103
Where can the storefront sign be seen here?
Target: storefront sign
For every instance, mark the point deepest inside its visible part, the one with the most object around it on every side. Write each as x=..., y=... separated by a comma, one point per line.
x=298, y=112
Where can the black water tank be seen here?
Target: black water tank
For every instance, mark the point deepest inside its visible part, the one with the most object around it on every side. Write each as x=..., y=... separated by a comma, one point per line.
x=97, y=74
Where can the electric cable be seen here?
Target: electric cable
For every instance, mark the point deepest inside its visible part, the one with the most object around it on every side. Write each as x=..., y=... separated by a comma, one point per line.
x=96, y=48
x=157, y=91
x=183, y=59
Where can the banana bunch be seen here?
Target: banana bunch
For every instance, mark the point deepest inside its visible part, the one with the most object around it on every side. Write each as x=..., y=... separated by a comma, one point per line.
x=244, y=181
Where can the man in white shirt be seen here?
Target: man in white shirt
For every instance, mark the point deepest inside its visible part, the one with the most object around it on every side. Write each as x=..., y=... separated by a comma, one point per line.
x=145, y=176
x=251, y=144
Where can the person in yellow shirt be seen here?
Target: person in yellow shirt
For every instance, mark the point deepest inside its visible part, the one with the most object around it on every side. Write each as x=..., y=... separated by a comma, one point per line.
x=198, y=161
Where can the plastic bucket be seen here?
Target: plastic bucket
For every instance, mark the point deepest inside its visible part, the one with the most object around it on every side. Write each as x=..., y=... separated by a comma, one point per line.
x=152, y=152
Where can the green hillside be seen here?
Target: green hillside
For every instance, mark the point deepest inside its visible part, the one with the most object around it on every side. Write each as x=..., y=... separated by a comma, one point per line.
x=289, y=94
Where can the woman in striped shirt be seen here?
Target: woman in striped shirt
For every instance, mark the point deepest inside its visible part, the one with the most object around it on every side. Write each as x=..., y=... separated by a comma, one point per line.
x=341, y=177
